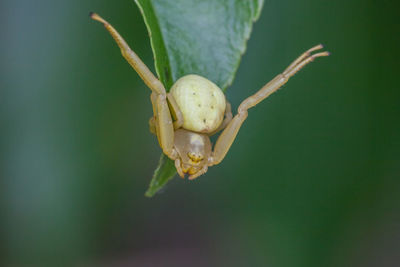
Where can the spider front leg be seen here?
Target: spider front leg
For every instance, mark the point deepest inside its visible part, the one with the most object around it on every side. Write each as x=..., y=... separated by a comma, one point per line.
x=173, y=107
x=165, y=127
x=147, y=76
x=227, y=137
x=162, y=123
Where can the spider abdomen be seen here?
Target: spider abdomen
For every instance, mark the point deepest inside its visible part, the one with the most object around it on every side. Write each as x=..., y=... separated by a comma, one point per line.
x=201, y=102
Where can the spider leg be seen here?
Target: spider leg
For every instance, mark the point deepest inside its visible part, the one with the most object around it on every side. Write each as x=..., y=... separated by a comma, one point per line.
x=200, y=172
x=303, y=56
x=165, y=127
x=176, y=112
x=152, y=126
x=161, y=123
x=227, y=137
x=174, y=109
x=147, y=76
x=179, y=168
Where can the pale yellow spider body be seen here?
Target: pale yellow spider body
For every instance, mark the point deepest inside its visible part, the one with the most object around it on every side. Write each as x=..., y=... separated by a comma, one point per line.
x=196, y=108
x=201, y=102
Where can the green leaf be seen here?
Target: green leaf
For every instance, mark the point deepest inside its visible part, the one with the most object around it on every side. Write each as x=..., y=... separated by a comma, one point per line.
x=204, y=37
x=164, y=172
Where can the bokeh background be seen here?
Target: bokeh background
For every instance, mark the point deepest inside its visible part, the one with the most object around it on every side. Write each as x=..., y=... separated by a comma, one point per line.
x=313, y=178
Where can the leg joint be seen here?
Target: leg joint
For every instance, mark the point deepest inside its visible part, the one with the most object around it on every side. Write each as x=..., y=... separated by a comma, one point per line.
x=242, y=110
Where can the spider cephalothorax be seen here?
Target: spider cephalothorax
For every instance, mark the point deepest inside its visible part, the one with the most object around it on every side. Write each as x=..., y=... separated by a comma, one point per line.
x=193, y=152
x=196, y=108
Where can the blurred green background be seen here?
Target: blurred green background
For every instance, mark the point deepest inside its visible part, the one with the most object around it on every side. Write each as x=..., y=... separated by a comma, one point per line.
x=312, y=179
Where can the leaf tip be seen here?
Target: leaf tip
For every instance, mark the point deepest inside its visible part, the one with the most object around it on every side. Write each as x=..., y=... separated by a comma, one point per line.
x=149, y=193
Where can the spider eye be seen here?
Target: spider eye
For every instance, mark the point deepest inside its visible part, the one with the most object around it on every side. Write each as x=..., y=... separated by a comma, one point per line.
x=195, y=157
